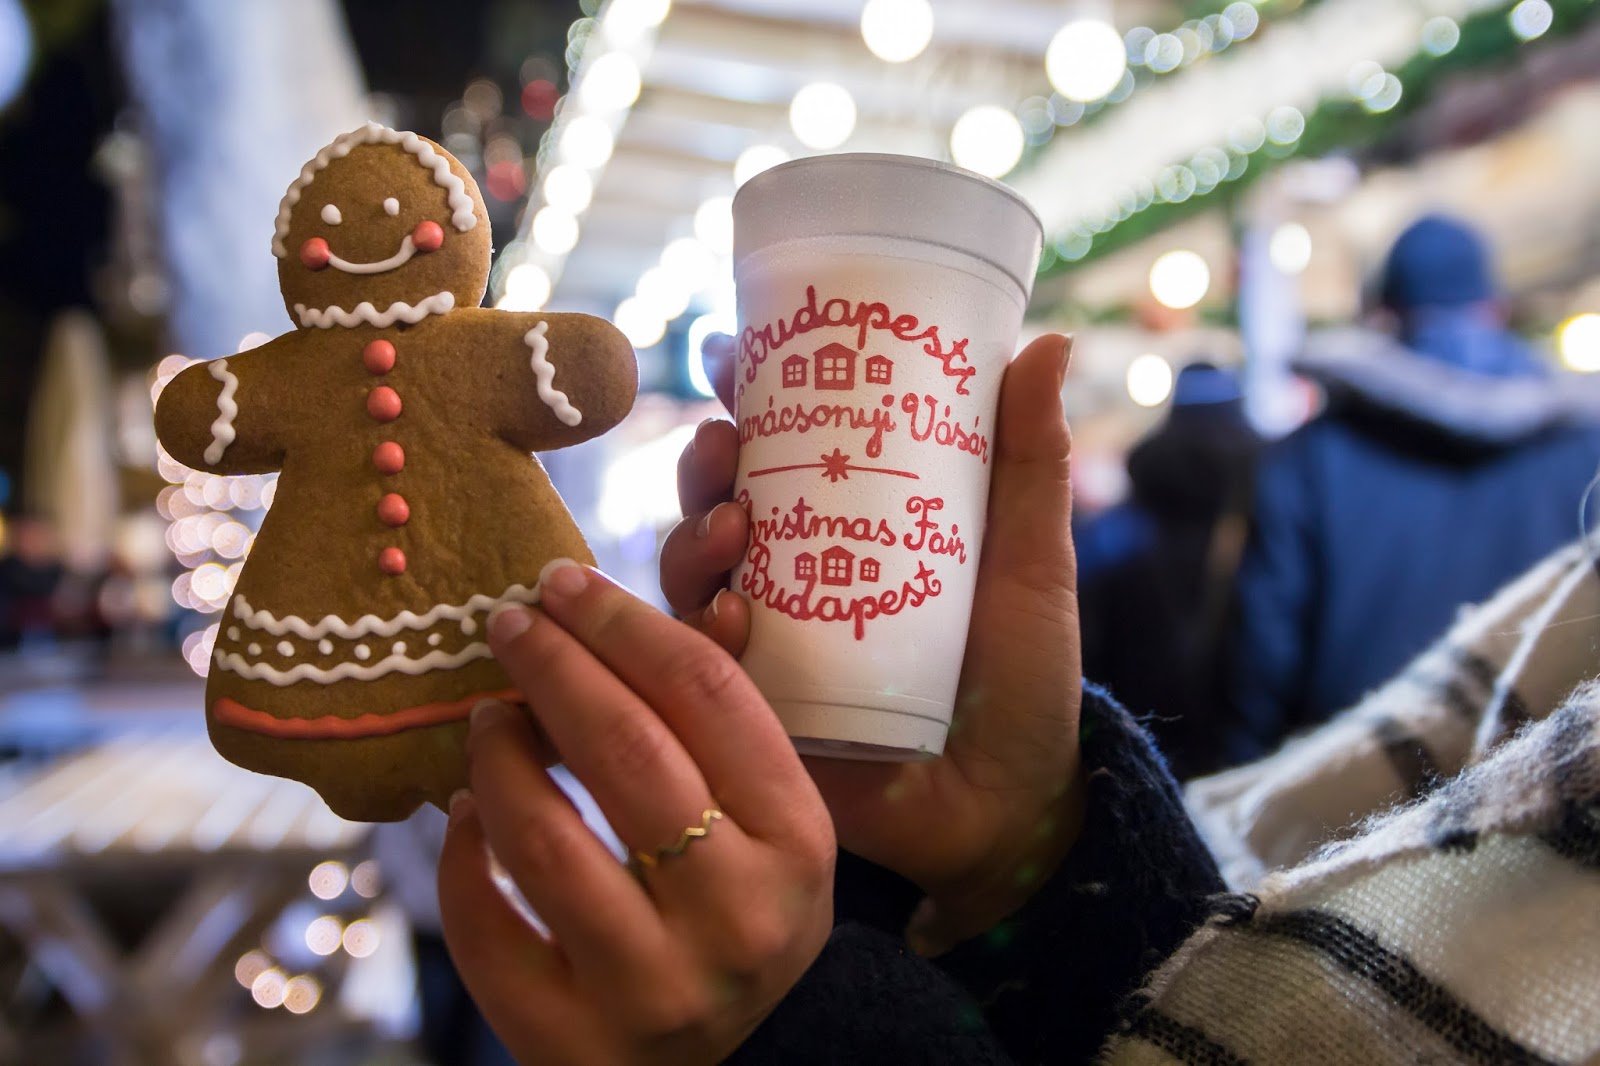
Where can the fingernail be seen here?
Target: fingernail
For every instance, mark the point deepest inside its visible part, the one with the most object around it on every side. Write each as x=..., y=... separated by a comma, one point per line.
x=485, y=713
x=711, y=608
x=702, y=528
x=461, y=803
x=1064, y=360
x=562, y=579
x=509, y=621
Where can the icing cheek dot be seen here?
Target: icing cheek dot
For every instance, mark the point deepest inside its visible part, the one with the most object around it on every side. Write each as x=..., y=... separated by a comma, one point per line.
x=383, y=404
x=391, y=207
x=254, y=649
x=363, y=652
x=434, y=640
x=392, y=561
x=331, y=215
x=378, y=357
x=285, y=648
x=399, y=647
x=325, y=646
x=468, y=626
x=315, y=254
x=389, y=458
x=428, y=236
x=233, y=634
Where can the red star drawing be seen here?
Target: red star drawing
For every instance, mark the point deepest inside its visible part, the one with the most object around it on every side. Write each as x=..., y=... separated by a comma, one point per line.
x=836, y=467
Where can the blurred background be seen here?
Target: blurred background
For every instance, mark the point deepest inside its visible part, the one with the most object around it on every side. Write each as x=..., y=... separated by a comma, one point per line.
x=1220, y=184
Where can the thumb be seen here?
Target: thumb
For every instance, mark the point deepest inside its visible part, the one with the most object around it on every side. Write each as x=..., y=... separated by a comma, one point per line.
x=1030, y=501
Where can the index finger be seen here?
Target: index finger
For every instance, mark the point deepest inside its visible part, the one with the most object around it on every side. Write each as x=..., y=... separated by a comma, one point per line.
x=698, y=690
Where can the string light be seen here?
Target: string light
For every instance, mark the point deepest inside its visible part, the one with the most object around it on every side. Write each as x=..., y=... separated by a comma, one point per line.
x=1290, y=248
x=1180, y=279
x=713, y=224
x=988, y=140
x=1149, y=380
x=823, y=115
x=610, y=83
x=755, y=159
x=1532, y=19
x=897, y=30
x=639, y=322
x=569, y=188
x=527, y=288
x=1085, y=60
x=1578, y=342
x=555, y=231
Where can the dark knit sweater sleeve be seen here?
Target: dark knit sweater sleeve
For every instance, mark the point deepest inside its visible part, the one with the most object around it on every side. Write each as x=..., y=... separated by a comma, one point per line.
x=1053, y=977
x=1046, y=984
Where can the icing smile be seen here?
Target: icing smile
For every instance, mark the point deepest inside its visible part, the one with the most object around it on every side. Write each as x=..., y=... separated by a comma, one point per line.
x=427, y=237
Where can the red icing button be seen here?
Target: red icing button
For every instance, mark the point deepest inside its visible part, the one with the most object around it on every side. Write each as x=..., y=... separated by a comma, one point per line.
x=383, y=404
x=378, y=357
x=315, y=254
x=428, y=236
x=393, y=510
x=392, y=561
x=389, y=458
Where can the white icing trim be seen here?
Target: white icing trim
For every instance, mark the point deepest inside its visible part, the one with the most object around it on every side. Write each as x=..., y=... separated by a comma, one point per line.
x=365, y=313
x=391, y=206
x=545, y=372
x=462, y=215
x=369, y=624
x=222, y=432
x=434, y=660
x=331, y=214
x=398, y=259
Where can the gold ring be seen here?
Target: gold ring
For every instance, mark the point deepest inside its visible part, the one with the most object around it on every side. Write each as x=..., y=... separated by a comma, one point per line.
x=691, y=834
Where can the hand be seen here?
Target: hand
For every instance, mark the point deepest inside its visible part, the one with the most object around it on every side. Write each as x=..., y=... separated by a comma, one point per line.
x=681, y=963
x=979, y=828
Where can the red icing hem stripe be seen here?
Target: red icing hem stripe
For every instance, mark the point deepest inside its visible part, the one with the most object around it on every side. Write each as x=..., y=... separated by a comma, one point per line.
x=328, y=727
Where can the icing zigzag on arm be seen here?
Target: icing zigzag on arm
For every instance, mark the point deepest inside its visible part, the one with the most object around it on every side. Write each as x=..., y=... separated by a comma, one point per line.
x=222, y=431
x=545, y=372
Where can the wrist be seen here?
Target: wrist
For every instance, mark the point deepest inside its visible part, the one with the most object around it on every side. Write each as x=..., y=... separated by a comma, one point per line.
x=1010, y=874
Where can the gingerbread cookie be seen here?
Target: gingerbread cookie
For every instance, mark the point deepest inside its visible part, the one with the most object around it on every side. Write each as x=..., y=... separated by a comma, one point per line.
x=402, y=416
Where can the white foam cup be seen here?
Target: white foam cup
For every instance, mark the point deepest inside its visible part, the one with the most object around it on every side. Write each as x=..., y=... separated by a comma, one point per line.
x=880, y=300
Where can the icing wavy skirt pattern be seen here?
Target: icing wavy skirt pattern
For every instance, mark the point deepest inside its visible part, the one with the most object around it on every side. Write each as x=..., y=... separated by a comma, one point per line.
x=257, y=645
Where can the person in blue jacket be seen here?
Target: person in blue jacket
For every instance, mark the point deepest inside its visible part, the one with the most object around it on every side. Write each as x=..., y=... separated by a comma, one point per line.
x=1449, y=458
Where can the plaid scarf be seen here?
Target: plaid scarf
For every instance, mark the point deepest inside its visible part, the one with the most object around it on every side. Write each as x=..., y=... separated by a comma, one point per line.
x=1425, y=869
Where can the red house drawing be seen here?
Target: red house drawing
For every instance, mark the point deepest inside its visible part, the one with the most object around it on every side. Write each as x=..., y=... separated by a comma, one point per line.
x=836, y=367
x=880, y=371
x=805, y=567
x=838, y=566
x=794, y=371
x=869, y=570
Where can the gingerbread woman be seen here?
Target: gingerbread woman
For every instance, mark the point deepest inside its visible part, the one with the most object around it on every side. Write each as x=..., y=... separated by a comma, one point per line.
x=403, y=417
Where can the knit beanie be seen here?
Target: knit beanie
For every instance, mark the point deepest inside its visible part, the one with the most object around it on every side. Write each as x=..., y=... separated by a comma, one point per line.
x=1437, y=262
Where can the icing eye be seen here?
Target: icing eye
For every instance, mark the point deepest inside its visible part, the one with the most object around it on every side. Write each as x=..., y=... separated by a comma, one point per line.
x=391, y=206
x=331, y=215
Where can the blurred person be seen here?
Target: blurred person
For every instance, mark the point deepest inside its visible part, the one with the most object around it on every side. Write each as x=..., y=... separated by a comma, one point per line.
x=1449, y=458
x=1059, y=870
x=1156, y=573
x=30, y=575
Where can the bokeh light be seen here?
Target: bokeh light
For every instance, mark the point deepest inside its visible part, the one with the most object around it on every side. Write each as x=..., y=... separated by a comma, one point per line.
x=1149, y=380
x=610, y=83
x=587, y=142
x=1180, y=279
x=987, y=139
x=755, y=159
x=328, y=879
x=1578, y=342
x=897, y=30
x=324, y=935
x=639, y=322
x=361, y=938
x=527, y=288
x=1290, y=248
x=1085, y=60
x=554, y=230
x=713, y=224
x=822, y=115
x=1532, y=19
